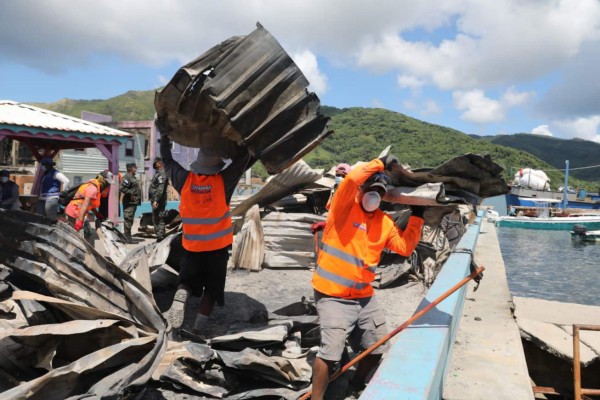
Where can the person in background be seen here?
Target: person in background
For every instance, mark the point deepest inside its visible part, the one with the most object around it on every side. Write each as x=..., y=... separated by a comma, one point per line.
x=205, y=193
x=341, y=171
x=86, y=199
x=356, y=231
x=51, y=183
x=9, y=192
x=157, y=194
x=132, y=197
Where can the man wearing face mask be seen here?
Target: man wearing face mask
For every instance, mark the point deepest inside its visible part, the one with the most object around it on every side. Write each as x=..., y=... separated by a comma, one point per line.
x=356, y=231
x=9, y=192
x=52, y=180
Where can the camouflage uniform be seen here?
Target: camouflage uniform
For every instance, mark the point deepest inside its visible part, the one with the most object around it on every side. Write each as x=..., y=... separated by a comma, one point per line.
x=157, y=192
x=132, y=197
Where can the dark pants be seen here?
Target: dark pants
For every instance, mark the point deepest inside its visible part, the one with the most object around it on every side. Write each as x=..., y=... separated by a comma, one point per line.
x=158, y=219
x=205, y=272
x=128, y=214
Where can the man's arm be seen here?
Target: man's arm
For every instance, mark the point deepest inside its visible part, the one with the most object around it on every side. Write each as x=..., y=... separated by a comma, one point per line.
x=83, y=210
x=59, y=176
x=405, y=243
x=126, y=186
x=232, y=174
x=174, y=171
x=14, y=197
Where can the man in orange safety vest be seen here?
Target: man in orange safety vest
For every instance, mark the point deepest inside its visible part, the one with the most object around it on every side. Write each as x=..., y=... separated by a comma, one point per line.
x=356, y=231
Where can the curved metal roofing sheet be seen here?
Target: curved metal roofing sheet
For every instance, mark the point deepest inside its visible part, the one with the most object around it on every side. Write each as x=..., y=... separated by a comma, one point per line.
x=20, y=114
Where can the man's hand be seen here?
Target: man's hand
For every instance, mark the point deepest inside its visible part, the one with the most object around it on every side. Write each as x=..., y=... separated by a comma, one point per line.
x=154, y=204
x=317, y=226
x=78, y=225
x=417, y=211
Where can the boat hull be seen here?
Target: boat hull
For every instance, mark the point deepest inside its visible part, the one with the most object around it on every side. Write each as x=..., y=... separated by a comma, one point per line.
x=523, y=197
x=551, y=223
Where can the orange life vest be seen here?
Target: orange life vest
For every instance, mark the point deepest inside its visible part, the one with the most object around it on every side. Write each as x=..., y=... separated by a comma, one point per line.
x=205, y=213
x=354, y=239
x=79, y=197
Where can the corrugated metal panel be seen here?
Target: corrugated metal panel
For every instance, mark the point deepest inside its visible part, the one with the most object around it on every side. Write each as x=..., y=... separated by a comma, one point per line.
x=247, y=90
x=13, y=113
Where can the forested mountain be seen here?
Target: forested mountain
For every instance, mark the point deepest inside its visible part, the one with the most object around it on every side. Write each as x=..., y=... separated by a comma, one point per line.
x=362, y=133
x=580, y=153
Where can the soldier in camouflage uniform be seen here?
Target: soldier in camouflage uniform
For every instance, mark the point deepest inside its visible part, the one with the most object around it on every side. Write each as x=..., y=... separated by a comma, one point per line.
x=132, y=197
x=157, y=194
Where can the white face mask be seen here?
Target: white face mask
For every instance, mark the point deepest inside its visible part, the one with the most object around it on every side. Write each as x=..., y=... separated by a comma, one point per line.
x=370, y=201
x=338, y=179
x=4, y=179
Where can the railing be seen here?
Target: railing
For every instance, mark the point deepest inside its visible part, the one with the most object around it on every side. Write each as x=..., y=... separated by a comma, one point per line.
x=579, y=392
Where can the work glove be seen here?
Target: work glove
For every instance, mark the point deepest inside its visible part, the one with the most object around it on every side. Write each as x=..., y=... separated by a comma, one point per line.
x=417, y=211
x=78, y=225
x=389, y=161
x=317, y=226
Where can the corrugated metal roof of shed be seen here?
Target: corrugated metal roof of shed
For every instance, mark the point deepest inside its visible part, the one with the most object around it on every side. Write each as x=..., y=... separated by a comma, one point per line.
x=14, y=113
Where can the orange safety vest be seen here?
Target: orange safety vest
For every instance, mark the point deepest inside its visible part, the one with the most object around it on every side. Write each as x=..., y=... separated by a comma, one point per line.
x=79, y=197
x=354, y=239
x=205, y=213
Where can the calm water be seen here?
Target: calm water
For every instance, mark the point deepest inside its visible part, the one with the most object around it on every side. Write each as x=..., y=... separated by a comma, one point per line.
x=547, y=265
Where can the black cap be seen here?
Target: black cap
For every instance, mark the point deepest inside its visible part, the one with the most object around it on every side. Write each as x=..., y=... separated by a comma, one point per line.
x=4, y=172
x=130, y=165
x=377, y=181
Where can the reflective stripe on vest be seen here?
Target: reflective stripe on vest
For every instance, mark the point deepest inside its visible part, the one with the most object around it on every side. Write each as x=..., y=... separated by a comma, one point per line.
x=340, y=280
x=205, y=213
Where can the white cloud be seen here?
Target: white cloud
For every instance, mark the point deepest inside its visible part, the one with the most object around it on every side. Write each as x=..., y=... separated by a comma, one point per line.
x=496, y=43
x=512, y=97
x=478, y=108
x=542, y=130
x=410, y=82
x=307, y=62
x=431, y=107
x=582, y=128
x=409, y=105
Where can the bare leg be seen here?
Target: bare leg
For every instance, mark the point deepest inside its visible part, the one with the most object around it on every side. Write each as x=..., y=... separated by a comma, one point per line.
x=363, y=369
x=320, y=377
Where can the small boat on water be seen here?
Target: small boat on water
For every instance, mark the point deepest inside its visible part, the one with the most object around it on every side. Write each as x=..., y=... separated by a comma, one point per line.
x=581, y=234
x=548, y=223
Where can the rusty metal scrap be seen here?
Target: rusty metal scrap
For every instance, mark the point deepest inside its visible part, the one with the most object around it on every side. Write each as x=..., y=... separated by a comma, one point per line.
x=89, y=315
x=245, y=91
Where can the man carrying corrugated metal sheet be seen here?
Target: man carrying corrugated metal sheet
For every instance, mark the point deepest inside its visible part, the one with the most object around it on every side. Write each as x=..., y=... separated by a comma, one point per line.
x=205, y=193
x=356, y=232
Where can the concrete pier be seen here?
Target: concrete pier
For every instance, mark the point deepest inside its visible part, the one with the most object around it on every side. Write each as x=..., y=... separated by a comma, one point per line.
x=488, y=361
x=468, y=346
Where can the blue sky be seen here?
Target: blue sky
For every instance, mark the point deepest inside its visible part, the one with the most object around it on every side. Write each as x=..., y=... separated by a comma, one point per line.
x=480, y=67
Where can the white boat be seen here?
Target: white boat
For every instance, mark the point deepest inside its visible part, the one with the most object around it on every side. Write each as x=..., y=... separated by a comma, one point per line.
x=591, y=222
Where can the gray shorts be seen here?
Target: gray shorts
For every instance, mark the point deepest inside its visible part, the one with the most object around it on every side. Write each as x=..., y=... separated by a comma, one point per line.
x=361, y=321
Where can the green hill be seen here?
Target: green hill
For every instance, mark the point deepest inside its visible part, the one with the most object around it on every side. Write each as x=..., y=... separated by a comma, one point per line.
x=362, y=133
x=131, y=106
x=554, y=151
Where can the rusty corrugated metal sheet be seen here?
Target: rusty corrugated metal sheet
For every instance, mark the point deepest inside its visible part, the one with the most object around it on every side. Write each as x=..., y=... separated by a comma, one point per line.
x=25, y=115
x=247, y=90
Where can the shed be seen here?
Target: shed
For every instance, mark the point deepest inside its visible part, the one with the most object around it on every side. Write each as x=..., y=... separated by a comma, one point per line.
x=46, y=133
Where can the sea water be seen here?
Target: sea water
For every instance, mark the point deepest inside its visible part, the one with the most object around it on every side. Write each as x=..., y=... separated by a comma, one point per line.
x=548, y=264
